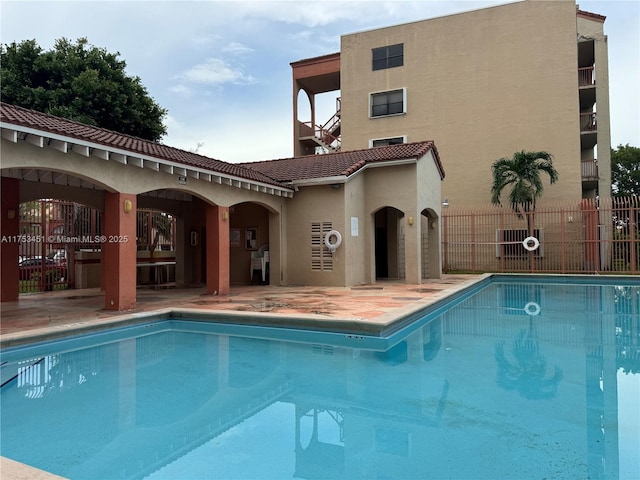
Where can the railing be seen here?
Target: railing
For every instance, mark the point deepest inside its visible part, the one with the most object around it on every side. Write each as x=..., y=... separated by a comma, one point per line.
x=580, y=237
x=586, y=76
x=332, y=124
x=588, y=122
x=324, y=136
x=589, y=169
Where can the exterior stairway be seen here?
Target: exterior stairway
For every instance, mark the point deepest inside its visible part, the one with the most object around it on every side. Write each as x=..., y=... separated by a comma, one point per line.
x=327, y=136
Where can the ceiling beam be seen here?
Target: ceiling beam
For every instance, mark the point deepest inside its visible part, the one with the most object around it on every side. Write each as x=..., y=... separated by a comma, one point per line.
x=10, y=135
x=36, y=140
x=58, y=145
x=81, y=150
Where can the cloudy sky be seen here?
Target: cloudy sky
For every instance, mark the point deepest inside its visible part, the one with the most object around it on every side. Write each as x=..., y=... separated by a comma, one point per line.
x=221, y=68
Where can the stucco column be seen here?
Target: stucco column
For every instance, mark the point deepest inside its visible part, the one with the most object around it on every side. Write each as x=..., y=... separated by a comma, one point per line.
x=217, y=261
x=119, y=251
x=412, y=250
x=9, y=234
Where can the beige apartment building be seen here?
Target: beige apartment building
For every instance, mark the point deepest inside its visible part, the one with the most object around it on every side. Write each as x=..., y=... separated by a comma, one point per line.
x=530, y=75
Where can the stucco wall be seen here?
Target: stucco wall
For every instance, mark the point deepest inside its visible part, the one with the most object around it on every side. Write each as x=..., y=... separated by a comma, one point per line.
x=314, y=204
x=482, y=85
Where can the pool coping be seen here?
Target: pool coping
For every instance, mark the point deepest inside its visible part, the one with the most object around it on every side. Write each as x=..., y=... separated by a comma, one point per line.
x=381, y=325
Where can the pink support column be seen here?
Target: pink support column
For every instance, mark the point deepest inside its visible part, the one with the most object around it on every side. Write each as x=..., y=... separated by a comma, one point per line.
x=9, y=234
x=217, y=221
x=119, y=251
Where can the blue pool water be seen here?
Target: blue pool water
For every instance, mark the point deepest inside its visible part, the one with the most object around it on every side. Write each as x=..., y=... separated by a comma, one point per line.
x=519, y=380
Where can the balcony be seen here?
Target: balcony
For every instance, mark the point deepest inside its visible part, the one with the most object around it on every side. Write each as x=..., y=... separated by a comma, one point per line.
x=589, y=169
x=588, y=122
x=586, y=77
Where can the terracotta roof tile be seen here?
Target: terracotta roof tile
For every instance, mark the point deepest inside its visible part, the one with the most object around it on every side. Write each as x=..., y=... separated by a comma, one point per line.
x=273, y=172
x=19, y=116
x=341, y=163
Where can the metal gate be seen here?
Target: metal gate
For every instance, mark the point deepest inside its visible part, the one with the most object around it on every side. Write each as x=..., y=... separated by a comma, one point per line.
x=44, y=255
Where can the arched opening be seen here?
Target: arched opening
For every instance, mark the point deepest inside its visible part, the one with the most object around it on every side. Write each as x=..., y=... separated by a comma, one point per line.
x=389, y=244
x=304, y=108
x=63, y=244
x=249, y=245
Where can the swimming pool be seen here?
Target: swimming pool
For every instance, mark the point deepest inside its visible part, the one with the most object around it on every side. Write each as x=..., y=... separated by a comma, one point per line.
x=517, y=379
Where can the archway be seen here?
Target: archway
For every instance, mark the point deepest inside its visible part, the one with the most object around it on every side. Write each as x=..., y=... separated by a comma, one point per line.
x=389, y=244
x=249, y=244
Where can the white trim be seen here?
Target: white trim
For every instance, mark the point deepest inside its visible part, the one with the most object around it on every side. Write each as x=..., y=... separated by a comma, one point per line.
x=403, y=137
x=404, y=103
x=126, y=157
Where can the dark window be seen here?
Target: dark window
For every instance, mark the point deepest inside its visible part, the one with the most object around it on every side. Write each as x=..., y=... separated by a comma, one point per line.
x=388, y=57
x=381, y=142
x=387, y=103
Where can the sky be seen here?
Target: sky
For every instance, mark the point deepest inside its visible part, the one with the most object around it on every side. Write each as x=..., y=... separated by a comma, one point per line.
x=222, y=68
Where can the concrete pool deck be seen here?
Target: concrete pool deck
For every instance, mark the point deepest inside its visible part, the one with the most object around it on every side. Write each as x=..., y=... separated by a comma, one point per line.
x=42, y=315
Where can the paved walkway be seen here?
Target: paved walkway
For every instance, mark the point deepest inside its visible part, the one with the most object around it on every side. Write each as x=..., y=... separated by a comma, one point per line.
x=380, y=302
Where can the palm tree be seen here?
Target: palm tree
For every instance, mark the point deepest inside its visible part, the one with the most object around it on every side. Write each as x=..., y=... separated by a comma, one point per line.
x=522, y=172
x=528, y=374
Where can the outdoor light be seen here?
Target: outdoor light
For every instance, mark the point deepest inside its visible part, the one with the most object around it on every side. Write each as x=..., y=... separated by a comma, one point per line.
x=225, y=215
x=445, y=204
x=11, y=214
x=410, y=220
x=128, y=206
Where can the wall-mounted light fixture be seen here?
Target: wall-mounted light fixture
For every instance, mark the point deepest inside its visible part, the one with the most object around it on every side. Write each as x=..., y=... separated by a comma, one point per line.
x=410, y=221
x=11, y=214
x=127, y=206
x=225, y=215
x=445, y=204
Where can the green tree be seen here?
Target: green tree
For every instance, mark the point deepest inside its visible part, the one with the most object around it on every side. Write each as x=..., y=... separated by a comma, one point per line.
x=80, y=82
x=522, y=173
x=625, y=171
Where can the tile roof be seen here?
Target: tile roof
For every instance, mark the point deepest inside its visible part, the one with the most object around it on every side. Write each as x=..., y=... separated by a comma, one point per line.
x=341, y=163
x=274, y=172
x=19, y=116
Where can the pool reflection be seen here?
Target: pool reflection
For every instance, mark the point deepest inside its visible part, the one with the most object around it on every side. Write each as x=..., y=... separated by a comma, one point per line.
x=479, y=392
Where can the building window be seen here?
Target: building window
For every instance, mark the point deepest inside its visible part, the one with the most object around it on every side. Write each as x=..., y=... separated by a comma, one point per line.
x=387, y=57
x=509, y=243
x=388, y=103
x=383, y=142
x=321, y=257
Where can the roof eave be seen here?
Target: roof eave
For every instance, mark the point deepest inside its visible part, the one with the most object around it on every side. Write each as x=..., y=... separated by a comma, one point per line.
x=312, y=182
x=127, y=157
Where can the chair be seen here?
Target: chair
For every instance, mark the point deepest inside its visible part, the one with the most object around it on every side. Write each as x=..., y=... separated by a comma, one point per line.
x=260, y=262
